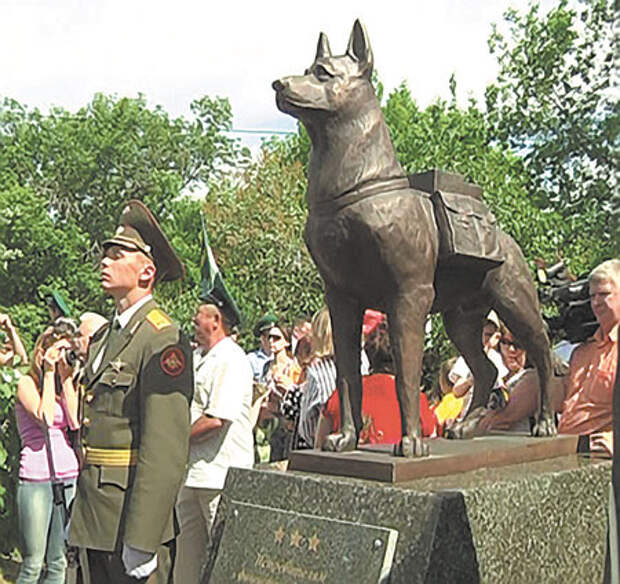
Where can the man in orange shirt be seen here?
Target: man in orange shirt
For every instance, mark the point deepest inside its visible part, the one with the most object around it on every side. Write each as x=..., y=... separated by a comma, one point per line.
x=583, y=397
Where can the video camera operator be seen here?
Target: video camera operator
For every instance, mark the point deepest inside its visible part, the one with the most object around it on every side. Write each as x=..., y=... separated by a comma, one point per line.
x=583, y=398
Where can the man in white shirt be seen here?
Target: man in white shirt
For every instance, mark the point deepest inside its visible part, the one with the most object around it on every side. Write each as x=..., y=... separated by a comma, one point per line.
x=221, y=436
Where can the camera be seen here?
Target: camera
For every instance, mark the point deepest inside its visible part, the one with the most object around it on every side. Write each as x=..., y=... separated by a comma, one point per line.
x=575, y=320
x=73, y=356
x=65, y=328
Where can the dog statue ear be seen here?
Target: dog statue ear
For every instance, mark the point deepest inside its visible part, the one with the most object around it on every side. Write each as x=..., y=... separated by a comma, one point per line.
x=322, y=49
x=359, y=48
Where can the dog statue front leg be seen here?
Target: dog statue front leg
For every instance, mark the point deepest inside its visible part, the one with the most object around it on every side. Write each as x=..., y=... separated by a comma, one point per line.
x=346, y=438
x=346, y=317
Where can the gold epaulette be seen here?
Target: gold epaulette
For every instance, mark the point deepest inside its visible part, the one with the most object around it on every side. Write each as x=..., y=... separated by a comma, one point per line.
x=111, y=456
x=158, y=319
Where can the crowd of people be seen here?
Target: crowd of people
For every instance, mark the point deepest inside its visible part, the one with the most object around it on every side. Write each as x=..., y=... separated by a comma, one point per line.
x=128, y=428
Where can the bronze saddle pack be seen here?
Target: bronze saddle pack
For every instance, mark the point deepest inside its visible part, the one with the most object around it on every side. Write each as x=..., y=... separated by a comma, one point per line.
x=468, y=234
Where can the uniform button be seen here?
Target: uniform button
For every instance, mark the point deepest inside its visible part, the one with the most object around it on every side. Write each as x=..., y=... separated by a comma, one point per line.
x=89, y=397
x=86, y=422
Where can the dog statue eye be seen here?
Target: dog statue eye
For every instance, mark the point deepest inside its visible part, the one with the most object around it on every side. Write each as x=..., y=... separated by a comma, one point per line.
x=321, y=73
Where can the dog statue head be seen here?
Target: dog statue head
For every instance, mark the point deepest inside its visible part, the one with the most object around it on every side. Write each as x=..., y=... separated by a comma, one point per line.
x=332, y=85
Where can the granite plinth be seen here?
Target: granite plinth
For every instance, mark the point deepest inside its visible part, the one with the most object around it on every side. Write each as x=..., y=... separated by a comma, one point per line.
x=447, y=457
x=532, y=522
x=264, y=545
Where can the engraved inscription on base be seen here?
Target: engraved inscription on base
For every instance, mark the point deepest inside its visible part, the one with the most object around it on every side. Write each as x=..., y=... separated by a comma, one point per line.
x=266, y=545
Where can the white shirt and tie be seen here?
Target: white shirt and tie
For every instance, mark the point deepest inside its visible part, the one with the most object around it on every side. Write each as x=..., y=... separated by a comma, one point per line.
x=121, y=321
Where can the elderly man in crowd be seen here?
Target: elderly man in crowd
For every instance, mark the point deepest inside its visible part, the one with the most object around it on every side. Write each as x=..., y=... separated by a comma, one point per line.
x=583, y=398
x=90, y=323
x=221, y=434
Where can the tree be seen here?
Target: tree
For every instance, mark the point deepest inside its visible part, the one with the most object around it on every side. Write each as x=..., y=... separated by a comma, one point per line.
x=459, y=140
x=87, y=164
x=256, y=231
x=553, y=105
x=42, y=251
x=64, y=178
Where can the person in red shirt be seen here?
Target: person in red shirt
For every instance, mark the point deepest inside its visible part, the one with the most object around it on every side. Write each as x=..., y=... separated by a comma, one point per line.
x=380, y=409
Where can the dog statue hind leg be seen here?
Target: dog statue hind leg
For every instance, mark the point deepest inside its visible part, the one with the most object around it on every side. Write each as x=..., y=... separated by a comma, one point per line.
x=514, y=298
x=407, y=317
x=464, y=328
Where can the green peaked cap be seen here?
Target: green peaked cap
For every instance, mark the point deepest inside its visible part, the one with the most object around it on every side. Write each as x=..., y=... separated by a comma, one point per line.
x=56, y=299
x=140, y=231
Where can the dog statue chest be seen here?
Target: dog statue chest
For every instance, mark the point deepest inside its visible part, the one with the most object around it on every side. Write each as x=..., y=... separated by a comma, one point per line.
x=353, y=247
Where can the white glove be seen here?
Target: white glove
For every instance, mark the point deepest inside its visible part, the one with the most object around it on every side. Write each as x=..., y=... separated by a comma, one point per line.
x=138, y=564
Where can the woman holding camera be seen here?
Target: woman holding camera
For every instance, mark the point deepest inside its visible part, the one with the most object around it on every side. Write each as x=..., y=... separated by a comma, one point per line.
x=47, y=404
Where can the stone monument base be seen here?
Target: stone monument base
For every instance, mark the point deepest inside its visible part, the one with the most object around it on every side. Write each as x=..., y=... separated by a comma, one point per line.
x=376, y=462
x=542, y=521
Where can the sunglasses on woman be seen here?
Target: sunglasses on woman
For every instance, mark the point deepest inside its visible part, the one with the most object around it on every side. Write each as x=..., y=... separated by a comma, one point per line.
x=511, y=343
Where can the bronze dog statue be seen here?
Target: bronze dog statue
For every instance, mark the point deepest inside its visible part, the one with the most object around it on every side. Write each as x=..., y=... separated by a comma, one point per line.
x=375, y=242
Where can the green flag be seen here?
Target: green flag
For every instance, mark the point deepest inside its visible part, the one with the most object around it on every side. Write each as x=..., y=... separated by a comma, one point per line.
x=212, y=287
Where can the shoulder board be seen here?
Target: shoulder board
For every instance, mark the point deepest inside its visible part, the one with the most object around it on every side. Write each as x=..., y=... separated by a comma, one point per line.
x=158, y=319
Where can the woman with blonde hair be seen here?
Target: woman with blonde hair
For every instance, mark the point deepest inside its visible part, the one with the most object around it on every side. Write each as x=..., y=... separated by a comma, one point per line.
x=449, y=408
x=47, y=404
x=320, y=377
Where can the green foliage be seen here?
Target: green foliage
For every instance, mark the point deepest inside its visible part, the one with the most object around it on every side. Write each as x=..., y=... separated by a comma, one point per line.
x=459, y=140
x=552, y=103
x=9, y=461
x=65, y=177
x=45, y=251
x=86, y=165
x=256, y=232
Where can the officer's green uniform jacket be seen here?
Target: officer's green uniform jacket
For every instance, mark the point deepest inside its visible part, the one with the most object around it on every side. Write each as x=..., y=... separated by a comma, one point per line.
x=137, y=399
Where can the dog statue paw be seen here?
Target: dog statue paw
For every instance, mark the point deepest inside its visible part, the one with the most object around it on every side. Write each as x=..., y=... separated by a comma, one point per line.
x=468, y=428
x=340, y=442
x=544, y=426
x=411, y=447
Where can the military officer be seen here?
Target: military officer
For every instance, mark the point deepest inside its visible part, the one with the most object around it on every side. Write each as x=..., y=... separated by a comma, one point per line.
x=135, y=431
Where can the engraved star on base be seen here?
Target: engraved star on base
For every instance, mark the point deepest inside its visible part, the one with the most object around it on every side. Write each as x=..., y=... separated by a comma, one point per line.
x=279, y=534
x=313, y=543
x=296, y=538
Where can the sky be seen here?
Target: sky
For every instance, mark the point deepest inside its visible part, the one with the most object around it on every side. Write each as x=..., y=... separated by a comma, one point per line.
x=61, y=52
